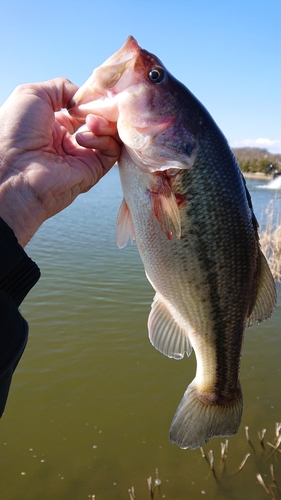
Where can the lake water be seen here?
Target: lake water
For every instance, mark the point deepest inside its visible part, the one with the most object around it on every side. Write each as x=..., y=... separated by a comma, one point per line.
x=91, y=402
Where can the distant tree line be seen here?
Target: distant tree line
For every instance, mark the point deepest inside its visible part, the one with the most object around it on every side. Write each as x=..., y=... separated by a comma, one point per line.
x=256, y=159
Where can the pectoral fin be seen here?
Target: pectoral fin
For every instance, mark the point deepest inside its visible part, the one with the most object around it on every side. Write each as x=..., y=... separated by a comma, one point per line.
x=125, y=228
x=165, y=334
x=165, y=208
x=266, y=296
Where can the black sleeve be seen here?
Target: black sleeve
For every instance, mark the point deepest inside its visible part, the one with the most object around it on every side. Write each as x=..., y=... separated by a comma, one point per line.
x=18, y=274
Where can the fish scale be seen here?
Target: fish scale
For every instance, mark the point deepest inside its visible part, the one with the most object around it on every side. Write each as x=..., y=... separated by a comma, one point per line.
x=187, y=206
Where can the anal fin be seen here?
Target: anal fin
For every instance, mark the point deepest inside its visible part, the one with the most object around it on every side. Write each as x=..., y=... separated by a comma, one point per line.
x=165, y=333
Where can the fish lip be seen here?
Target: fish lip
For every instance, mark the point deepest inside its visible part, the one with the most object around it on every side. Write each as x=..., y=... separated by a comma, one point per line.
x=128, y=51
x=158, y=123
x=95, y=88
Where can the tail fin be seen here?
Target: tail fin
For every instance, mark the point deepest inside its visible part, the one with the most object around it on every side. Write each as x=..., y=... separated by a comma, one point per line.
x=195, y=422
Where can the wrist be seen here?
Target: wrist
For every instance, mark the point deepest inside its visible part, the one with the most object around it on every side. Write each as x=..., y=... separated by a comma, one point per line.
x=19, y=208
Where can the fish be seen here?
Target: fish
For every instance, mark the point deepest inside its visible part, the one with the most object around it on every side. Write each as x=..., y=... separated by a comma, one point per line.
x=187, y=206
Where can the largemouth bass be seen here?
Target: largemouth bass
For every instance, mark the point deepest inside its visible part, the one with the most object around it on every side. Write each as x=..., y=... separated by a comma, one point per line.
x=187, y=206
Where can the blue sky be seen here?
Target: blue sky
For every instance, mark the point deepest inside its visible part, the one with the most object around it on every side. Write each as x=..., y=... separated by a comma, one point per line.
x=228, y=53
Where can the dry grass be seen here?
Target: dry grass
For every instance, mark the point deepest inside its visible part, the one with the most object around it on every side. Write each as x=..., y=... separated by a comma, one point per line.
x=263, y=461
x=270, y=240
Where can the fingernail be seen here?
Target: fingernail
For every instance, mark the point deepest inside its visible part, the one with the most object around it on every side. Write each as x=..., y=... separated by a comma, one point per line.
x=100, y=120
x=84, y=137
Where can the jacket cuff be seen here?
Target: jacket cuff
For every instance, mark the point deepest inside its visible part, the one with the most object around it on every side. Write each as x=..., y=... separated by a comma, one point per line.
x=18, y=273
x=13, y=339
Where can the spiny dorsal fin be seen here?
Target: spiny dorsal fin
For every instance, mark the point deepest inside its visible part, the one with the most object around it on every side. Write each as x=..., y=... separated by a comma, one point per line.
x=165, y=334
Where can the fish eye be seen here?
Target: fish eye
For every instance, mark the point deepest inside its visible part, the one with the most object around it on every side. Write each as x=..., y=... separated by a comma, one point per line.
x=156, y=74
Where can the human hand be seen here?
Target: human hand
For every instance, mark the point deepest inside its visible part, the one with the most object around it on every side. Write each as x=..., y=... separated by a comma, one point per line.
x=43, y=166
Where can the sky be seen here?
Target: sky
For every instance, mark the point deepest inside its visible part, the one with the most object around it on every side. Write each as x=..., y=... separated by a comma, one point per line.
x=227, y=52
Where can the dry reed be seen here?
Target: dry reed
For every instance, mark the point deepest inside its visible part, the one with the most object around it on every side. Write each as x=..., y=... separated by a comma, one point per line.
x=270, y=241
x=269, y=481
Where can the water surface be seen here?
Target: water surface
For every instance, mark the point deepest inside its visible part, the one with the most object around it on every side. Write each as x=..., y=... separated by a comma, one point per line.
x=92, y=401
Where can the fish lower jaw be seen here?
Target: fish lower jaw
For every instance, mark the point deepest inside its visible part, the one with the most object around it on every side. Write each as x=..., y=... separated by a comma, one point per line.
x=106, y=107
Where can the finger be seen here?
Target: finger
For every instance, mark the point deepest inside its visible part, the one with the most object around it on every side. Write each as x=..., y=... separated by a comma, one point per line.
x=68, y=122
x=60, y=90
x=99, y=125
x=57, y=92
x=108, y=160
x=105, y=144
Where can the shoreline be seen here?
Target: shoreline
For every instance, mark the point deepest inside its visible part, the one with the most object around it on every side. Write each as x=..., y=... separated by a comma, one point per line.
x=257, y=175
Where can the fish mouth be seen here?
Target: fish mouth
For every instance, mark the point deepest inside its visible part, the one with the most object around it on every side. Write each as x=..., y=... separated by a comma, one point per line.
x=128, y=51
x=106, y=82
